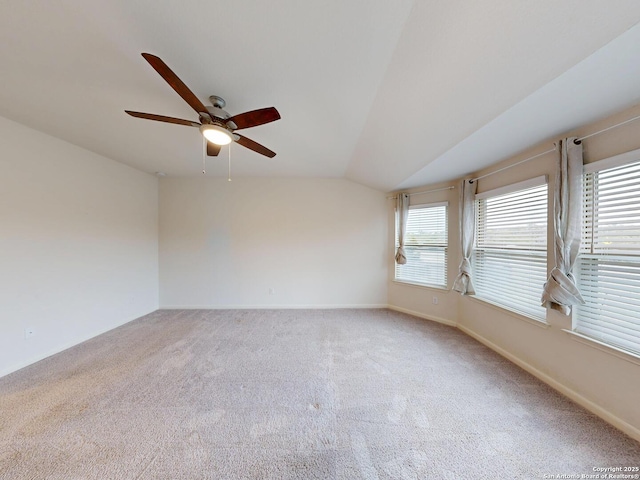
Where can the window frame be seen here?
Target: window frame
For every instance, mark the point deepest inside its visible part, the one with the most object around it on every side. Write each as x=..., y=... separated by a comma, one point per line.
x=443, y=247
x=532, y=312
x=586, y=258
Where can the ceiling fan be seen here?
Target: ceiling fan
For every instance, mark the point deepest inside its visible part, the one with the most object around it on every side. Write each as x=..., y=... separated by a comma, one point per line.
x=216, y=125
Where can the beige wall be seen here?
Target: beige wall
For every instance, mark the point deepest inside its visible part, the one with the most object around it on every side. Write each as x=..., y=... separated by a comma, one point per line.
x=312, y=242
x=597, y=377
x=78, y=245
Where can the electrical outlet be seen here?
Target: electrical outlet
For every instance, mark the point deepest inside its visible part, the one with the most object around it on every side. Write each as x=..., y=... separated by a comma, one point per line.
x=435, y=300
x=29, y=332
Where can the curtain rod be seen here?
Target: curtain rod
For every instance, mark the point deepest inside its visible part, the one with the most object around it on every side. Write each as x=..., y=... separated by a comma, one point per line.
x=553, y=149
x=427, y=191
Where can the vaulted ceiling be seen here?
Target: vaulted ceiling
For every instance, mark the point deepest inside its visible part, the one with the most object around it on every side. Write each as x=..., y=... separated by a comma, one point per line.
x=387, y=93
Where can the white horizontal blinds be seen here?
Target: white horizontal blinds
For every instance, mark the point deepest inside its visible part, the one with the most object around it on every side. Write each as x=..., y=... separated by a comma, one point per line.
x=515, y=220
x=609, y=262
x=510, y=255
x=425, y=245
x=612, y=222
x=511, y=279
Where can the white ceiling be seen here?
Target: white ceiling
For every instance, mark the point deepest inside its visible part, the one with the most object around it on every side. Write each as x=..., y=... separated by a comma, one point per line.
x=388, y=93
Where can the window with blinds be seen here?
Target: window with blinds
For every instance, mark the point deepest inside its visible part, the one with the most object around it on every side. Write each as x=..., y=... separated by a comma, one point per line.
x=509, y=263
x=425, y=245
x=608, y=268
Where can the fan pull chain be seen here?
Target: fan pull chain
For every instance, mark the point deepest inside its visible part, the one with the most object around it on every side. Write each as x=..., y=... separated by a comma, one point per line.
x=229, y=179
x=204, y=155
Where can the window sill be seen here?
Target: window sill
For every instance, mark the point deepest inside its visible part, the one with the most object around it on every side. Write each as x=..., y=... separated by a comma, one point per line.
x=604, y=347
x=520, y=316
x=420, y=285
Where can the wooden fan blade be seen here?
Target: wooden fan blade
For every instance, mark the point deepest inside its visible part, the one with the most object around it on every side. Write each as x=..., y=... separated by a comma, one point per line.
x=175, y=83
x=212, y=149
x=162, y=118
x=255, y=146
x=255, y=117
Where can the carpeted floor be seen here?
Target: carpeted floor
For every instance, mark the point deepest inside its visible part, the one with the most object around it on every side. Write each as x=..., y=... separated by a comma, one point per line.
x=304, y=394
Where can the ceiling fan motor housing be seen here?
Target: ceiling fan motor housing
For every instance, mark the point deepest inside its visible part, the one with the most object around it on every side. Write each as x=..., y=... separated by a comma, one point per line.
x=217, y=114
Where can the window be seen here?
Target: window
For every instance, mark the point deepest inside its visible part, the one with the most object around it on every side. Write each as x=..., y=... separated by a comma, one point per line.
x=608, y=268
x=509, y=263
x=425, y=246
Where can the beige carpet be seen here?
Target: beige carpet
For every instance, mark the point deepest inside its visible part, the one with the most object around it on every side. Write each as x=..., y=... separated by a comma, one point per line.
x=278, y=394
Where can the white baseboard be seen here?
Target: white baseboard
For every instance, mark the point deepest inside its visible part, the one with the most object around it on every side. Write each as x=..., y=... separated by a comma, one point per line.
x=433, y=318
x=594, y=408
x=271, y=307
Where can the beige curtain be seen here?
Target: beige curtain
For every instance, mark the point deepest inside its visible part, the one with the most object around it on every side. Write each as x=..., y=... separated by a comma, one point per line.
x=560, y=291
x=402, y=206
x=463, y=283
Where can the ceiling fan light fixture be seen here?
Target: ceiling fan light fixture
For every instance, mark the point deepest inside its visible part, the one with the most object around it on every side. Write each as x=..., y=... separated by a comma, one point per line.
x=216, y=134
